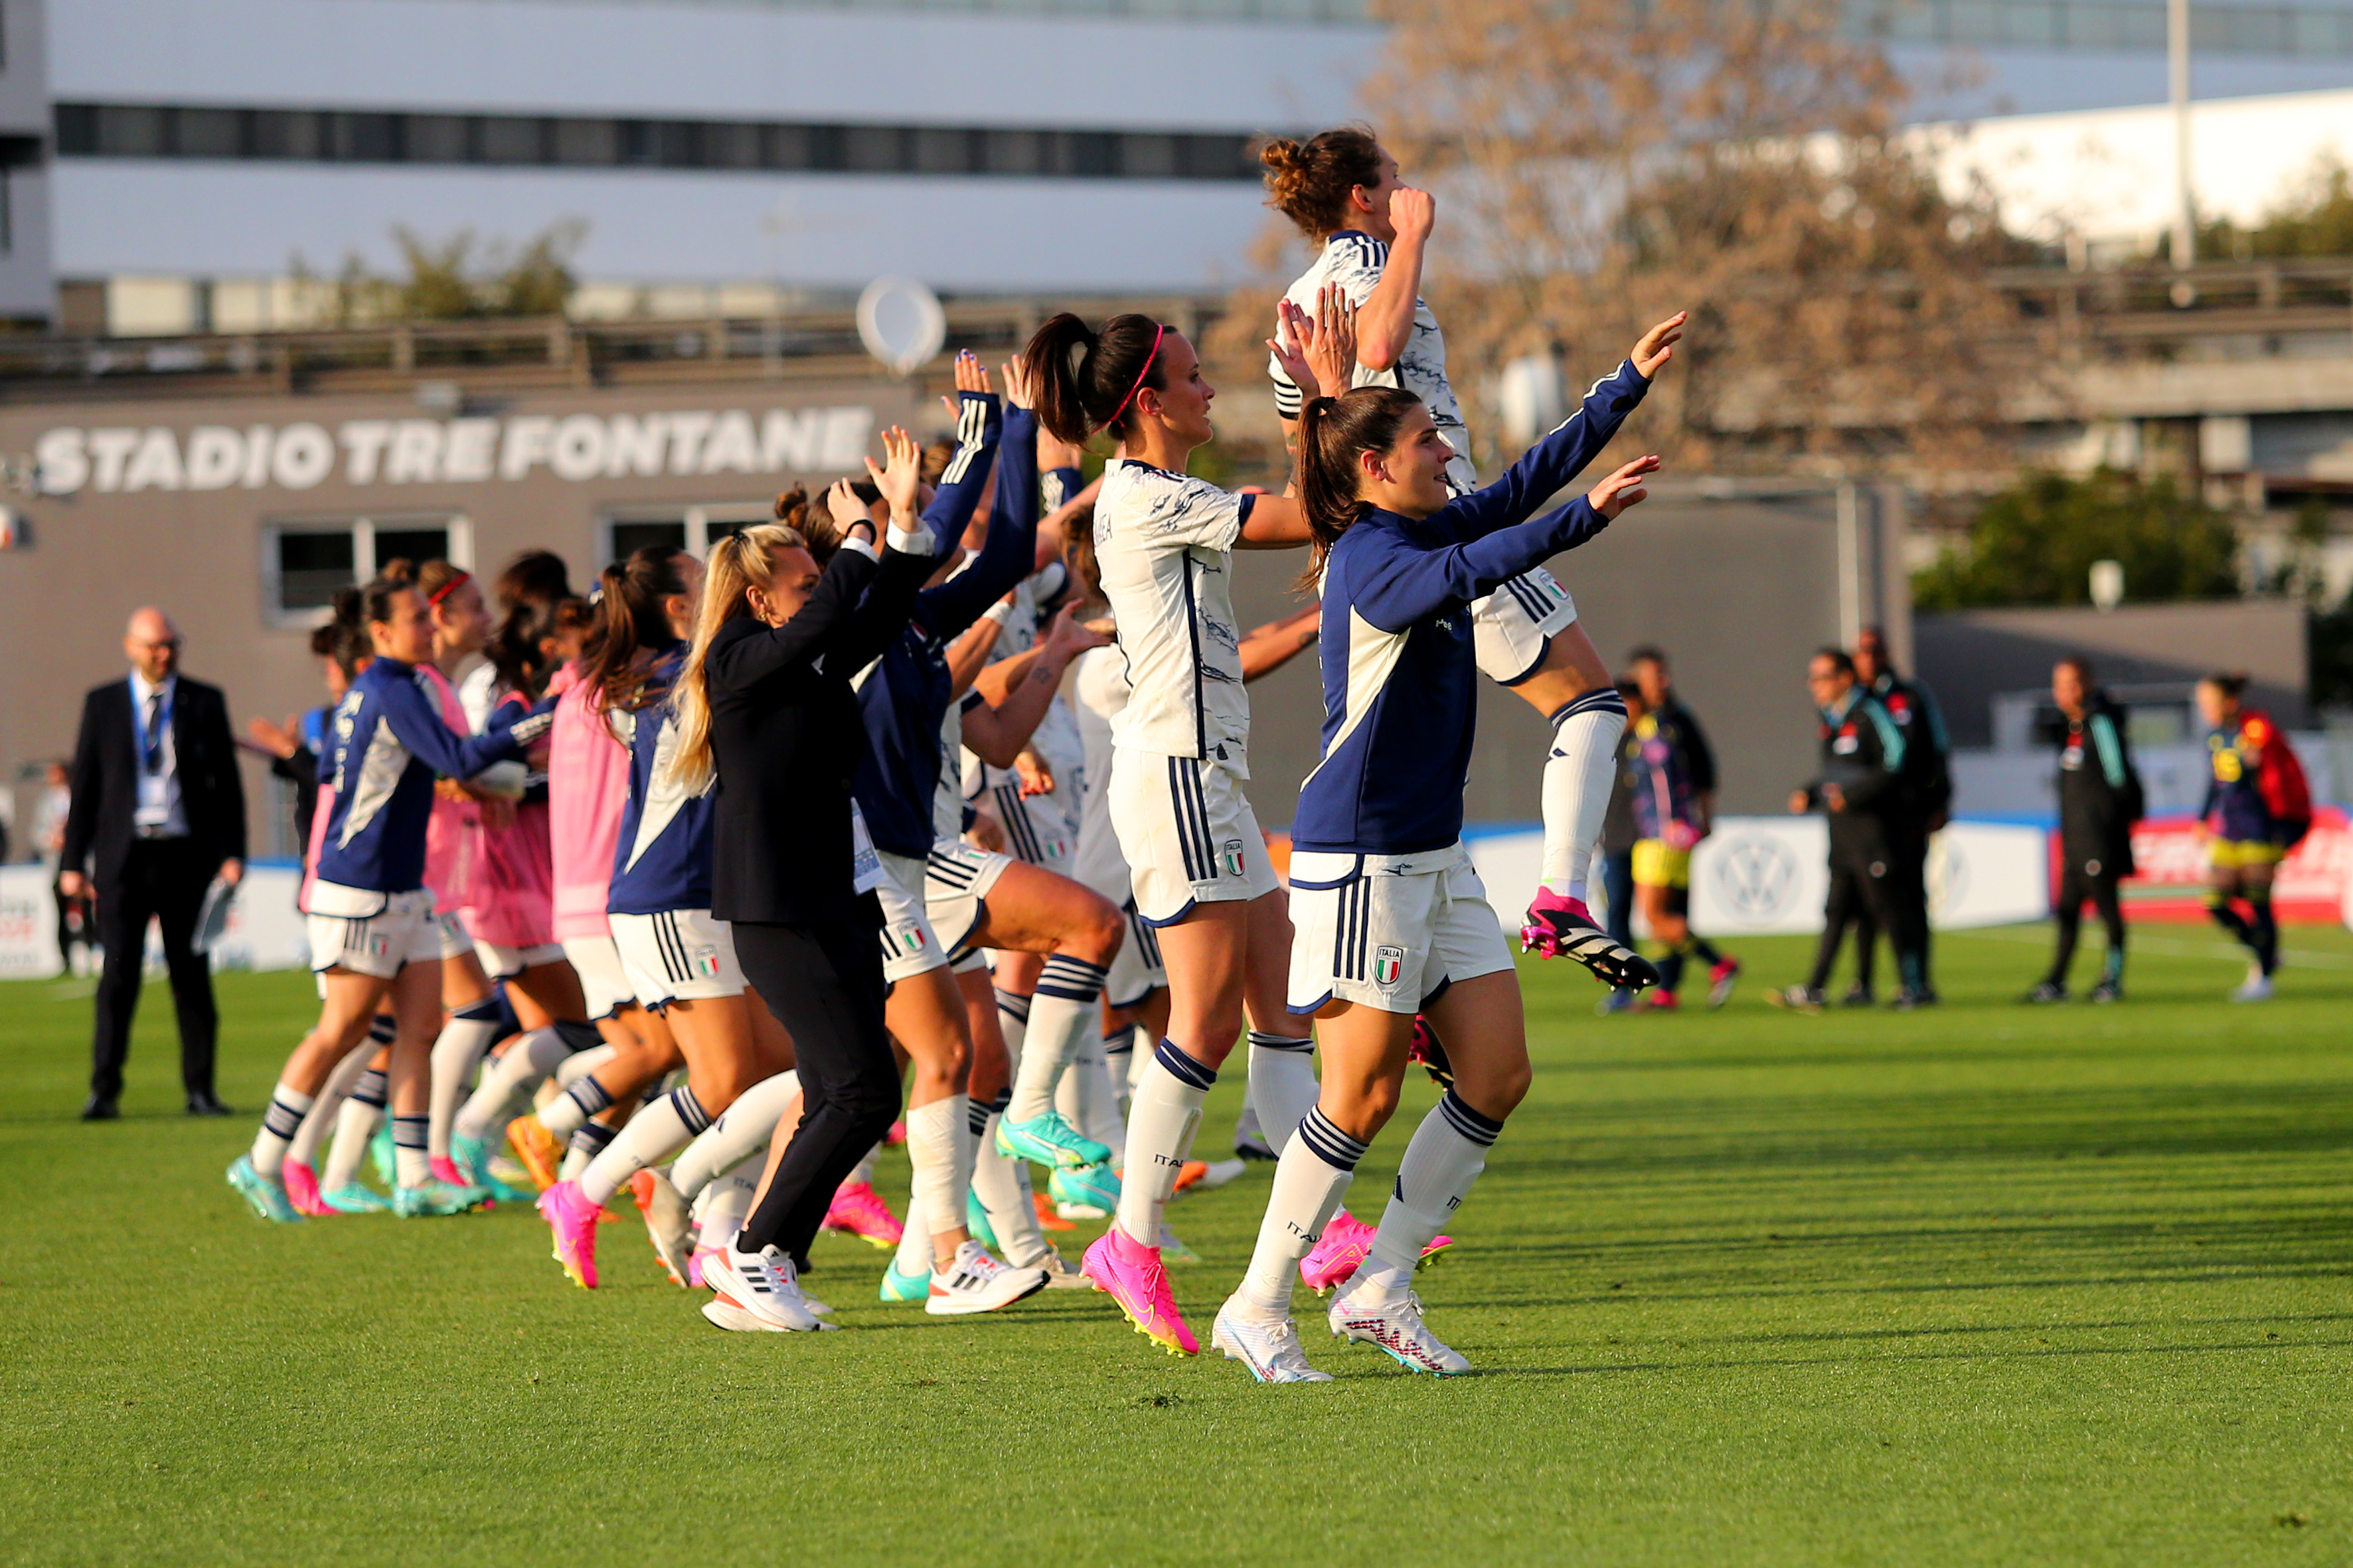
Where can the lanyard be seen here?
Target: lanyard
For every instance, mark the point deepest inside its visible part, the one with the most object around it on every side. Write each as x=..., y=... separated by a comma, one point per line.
x=151, y=755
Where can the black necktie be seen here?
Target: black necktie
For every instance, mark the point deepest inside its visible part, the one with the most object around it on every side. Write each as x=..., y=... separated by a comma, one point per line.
x=154, y=733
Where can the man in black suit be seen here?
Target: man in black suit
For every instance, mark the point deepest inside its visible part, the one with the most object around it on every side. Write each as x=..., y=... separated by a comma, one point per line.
x=158, y=811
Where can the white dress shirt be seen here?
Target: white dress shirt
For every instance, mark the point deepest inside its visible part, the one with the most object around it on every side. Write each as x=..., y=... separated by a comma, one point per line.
x=159, y=813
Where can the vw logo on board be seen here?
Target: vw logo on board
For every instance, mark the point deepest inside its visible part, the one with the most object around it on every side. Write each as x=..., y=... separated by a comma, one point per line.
x=1755, y=875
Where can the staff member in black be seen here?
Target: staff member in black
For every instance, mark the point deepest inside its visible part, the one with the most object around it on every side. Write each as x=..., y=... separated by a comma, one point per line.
x=158, y=811
x=2099, y=800
x=1923, y=805
x=1861, y=779
x=766, y=710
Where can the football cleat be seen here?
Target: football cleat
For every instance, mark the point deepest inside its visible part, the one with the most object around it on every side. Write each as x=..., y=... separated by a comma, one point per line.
x=1087, y=1192
x=353, y=1198
x=1795, y=999
x=1189, y=1175
x=1428, y=1049
x=1131, y=1275
x=1394, y=1325
x=1060, y=1275
x=435, y=1199
x=2108, y=991
x=572, y=1218
x=898, y=1287
x=1267, y=1346
x=1857, y=996
x=1048, y=1140
x=1721, y=979
x=694, y=1262
x=267, y=1195
x=302, y=1184
x=1050, y=1216
x=976, y=1282
x=2048, y=992
x=1343, y=1246
x=1558, y=926
x=859, y=1210
x=668, y=1225
x=471, y=1159
x=2257, y=988
x=537, y=1147
x=1659, y=1002
x=975, y=1221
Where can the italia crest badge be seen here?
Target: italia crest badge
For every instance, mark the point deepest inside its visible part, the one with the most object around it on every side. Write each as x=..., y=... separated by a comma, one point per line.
x=1230, y=857
x=1388, y=963
x=705, y=963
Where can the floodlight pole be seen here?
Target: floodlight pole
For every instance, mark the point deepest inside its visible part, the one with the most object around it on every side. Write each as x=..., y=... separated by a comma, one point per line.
x=2176, y=61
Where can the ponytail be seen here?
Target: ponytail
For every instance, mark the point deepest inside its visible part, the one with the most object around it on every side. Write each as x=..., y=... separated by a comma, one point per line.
x=739, y=562
x=533, y=586
x=1088, y=381
x=1310, y=182
x=631, y=622
x=1334, y=432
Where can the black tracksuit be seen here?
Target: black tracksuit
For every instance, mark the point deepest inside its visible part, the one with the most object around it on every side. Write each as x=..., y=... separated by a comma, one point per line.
x=2099, y=799
x=1927, y=800
x=1862, y=754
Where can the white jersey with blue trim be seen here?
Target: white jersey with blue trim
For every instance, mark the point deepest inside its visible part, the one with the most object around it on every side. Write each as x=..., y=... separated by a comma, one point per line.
x=1355, y=262
x=1399, y=666
x=388, y=743
x=661, y=861
x=1164, y=546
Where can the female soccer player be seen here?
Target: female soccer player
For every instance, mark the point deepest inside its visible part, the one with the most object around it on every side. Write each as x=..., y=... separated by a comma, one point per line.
x=371, y=921
x=2257, y=807
x=1164, y=546
x=1392, y=920
x=1343, y=192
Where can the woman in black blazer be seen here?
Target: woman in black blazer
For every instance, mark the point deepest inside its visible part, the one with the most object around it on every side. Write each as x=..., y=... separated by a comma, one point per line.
x=765, y=705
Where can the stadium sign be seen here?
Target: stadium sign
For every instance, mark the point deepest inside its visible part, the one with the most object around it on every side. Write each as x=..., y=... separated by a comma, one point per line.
x=577, y=448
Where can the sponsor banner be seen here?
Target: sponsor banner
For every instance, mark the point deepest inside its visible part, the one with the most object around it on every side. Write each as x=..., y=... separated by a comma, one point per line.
x=1772, y=874
x=2314, y=883
x=264, y=930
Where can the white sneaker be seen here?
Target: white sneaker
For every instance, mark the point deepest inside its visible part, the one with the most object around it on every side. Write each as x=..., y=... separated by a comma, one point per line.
x=1060, y=1275
x=723, y=1313
x=1219, y=1173
x=975, y=1282
x=2258, y=987
x=669, y=1224
x=1268, y=1346
x=1394, y=1324
x=762, y=1283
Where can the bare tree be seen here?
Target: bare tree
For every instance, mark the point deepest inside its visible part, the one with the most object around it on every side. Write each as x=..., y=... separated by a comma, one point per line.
x=1603, y=163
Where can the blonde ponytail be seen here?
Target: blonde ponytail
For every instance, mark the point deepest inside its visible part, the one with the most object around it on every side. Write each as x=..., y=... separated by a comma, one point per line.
x=739, y=562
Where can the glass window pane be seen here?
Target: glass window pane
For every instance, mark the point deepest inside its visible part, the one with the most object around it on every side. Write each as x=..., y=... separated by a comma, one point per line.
x=407, y=542
x=587, y=141
x=731, y=146
x=510, y=139
x=940, y=151
x=1010, y=152
x=367, y=138
x=873, y=149
x=634, y=536
x=437, y=139
x=285, y=133
x=209, y=133
x=312, y=567
x=1147, y=157
x=130, y=132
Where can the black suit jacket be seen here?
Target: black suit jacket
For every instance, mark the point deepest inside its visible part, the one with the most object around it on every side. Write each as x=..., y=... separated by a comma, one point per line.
x=787, y=736
x=106, y=778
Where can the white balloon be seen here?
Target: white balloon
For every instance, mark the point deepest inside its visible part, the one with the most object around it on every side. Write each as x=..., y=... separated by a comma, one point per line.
x=900, y=322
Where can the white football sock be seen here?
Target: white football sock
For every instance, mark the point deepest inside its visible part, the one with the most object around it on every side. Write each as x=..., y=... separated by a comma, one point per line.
x=1160, y=1127
x=356, y=1124
x=939, y=1145
x=569, y=1112
x=1084, y=1098
x=305, y=1149
x=914, y=1254
x=1577, y=776
x=1448, y=1152
x=997, y=1183
x=470, y=1031
x=528, y=1061
x=578, y=1064
x=1310, y=1180
x=653, y=1135
x=1282, y=1085
x=279, y=1124
x=743, y=1131
x=719, y=1213
x=589, y=1140
x=1119, y=1060
x=1066, y=1004
x=1012, y=1021
x=861, y=1174
x=411, y=1162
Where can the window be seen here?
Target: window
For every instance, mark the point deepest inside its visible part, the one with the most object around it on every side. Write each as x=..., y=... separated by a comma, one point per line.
x=305, y=560
x=694, y=529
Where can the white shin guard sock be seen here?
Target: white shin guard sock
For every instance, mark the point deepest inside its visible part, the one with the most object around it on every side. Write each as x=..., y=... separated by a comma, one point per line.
x=996, y=1184
x=653, y=1135
x=528, y=1061
x=580, y=1064
x=321, y=1116
x=1577, y=776
x=939, y=1145
x=288, y=1106
x=719, y=1213
x=914, y=1254
x=470, y=1031
x=355, y=1123
x=1282, y=1085
x=571, y=1110
x=741, y=1133
x=1160, y=1128
x=1310, y=1180
x=1448, y=1152
x=1064, y=1009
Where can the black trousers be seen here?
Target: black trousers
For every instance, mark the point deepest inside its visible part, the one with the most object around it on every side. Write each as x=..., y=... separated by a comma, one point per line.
x=73, y=925
x=1863, y=868
x=2078, y=882
x=1905, y=894
x=824, y=983
x=164, y=879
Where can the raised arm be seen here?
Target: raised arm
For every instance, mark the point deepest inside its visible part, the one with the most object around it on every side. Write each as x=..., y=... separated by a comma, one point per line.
x=979, y=427
x=1009, y=554
x=417, y=725
x=1384, y=315
x=1016, y=692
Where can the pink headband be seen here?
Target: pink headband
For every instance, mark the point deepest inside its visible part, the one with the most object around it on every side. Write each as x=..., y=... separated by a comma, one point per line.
x=1157, y=333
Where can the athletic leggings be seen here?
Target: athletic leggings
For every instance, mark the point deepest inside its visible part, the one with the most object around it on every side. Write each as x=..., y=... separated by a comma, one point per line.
x=824, y=983
x=2077, y=883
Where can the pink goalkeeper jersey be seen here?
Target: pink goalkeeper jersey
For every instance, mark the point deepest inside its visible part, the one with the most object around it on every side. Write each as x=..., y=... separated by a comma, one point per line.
x=588, y=786
x=452, y=833
x=514, y=873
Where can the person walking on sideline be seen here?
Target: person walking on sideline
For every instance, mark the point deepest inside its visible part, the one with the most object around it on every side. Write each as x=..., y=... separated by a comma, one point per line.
x=2099, y=800
x=158, y=811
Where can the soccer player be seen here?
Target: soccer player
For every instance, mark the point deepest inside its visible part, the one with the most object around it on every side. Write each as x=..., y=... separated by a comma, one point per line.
x=2257, y=808
x=1860, y=780
x=372, y=934
x=1197, y=860
x=2099, y=800
x=1393, y=923
x=1342, y=191
x=1669, y=819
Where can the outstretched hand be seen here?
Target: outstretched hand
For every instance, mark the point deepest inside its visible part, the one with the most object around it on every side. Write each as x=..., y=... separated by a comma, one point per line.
x=847, y=512
x=1318, y=352
x=1019, y=390
x=1622, y=488
x=898, y=474
x=1657, y=346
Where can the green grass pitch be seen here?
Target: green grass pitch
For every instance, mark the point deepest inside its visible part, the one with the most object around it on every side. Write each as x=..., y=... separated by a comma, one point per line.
x=1980, y=1285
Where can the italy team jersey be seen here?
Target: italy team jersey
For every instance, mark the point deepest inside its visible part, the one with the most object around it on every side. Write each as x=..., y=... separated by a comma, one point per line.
x=1399, y=671
x=386, y=743
x=661, y=861
x=1164, y=546
x=1355, y=262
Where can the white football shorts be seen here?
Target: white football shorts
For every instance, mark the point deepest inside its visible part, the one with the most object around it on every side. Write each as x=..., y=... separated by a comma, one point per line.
x=369, y=932
x=680, y=955
x=1391, y=932
x=1187, y=833
x=603, y=980
x=1512, y=628
x=909, y=945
